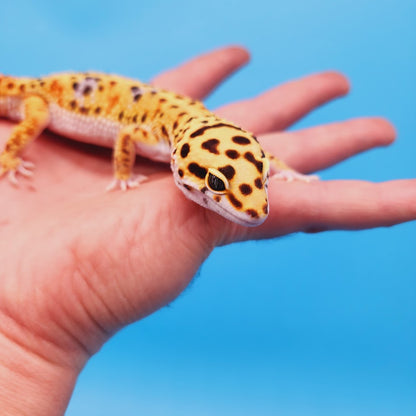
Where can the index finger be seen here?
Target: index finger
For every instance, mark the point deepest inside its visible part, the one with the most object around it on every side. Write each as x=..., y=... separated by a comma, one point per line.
x=336, y=205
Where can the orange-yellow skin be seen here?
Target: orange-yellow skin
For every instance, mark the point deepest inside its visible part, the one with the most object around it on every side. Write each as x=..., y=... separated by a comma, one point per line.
x=133, y=117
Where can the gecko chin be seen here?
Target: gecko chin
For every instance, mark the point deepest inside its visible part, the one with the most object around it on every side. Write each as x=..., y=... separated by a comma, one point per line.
x=223, y=207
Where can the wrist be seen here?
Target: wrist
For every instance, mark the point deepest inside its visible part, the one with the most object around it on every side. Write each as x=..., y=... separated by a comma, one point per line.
x=30, y=384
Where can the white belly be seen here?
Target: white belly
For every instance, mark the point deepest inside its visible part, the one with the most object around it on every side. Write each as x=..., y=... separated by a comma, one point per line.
x=82, y=127
x=87, y=129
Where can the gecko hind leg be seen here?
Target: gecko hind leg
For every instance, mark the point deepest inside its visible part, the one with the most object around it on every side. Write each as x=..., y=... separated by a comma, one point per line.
x=281, y=170
x=36, y=118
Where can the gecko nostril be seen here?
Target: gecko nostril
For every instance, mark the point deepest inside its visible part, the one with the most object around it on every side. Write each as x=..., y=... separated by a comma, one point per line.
x=253, y=213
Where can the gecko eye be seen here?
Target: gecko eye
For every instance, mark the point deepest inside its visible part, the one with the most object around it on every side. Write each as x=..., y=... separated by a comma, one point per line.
x=266, y=167
x=216, y=182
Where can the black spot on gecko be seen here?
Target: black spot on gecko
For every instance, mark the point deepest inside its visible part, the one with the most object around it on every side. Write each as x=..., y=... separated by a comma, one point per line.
x=75, y=85
x=165, y=132
x=137, y=97
x=84, y=110
x=228, y=171
x=265, y=208
x=175, y=125
x=202, y=130
x=144, y=116
x=258, y=183
x=232, y=154
x=252, y=213
x=22, y=88
x=246, y=189
x=197, y=170
x=250, y=157
x=241, y=140
x=204, y=189
x=211, y=145
x=73, y=104
x=234, y=200
x=134, y=118
x=97, y=110
x=87, y=90
x=162, y=100
x=185, y=150
x=180, y=173
x=187, y=187
x=120, y=115
x=217, y=198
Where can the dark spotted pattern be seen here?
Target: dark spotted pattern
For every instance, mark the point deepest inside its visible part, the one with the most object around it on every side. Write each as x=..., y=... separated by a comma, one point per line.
x=180, y=173
x=204, y=189
x=73, y=104
x=211, y=145
x=241, y=140
x=121, y=115
x=144, y=116
x=234, y=201
x=87, y=90
x=185, y=150
x=258, y=164
x=217, y=198
x=197, y=170
x=228, y=171
x=246, y=189
x=252, y=213
x=165, y=132
x=202, y=130
x=258, y=183
x=232, y=154
x=265, y=208
x=97, y=110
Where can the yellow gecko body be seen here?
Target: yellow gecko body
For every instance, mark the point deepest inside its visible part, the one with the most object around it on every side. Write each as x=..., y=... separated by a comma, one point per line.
x=214, y=162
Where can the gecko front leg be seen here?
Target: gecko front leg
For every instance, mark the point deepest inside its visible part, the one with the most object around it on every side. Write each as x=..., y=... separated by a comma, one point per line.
x=281, y=170
x=35, y=119
x=124, y=156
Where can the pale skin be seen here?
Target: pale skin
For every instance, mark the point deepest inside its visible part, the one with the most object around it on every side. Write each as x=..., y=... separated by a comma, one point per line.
x=78, y=264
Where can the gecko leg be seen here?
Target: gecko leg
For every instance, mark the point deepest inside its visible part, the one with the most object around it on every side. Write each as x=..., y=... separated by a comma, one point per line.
x=124, y=156
x=280, y=170
x=36, y=118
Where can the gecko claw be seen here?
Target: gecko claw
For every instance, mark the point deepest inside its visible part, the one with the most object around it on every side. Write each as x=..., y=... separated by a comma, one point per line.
x=125, y=184
x=291, y=175
x=23, y=168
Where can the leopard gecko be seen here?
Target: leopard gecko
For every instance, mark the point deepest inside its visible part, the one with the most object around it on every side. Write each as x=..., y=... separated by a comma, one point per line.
x=214, y=162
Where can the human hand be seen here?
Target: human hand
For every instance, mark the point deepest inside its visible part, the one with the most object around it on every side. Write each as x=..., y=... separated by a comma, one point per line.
x=78, y=264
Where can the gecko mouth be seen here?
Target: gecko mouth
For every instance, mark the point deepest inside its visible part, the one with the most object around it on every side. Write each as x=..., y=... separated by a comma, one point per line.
x=223, y=208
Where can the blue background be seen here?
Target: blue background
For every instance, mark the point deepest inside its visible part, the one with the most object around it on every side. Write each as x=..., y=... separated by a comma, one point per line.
x=302, y=325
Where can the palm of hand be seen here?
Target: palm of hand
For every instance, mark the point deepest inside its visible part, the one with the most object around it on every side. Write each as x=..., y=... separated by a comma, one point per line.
x=85, y=262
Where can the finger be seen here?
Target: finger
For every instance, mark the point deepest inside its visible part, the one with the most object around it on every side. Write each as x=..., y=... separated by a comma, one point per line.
x=282, y=106
x=317, y=148
x=336, y=205
x=199, y=76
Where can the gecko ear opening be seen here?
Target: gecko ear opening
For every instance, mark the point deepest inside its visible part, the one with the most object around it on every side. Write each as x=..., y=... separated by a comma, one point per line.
x=266, y=168
x=216, y=182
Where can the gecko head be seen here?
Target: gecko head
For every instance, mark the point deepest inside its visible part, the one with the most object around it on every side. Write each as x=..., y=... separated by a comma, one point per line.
x=224, y=169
